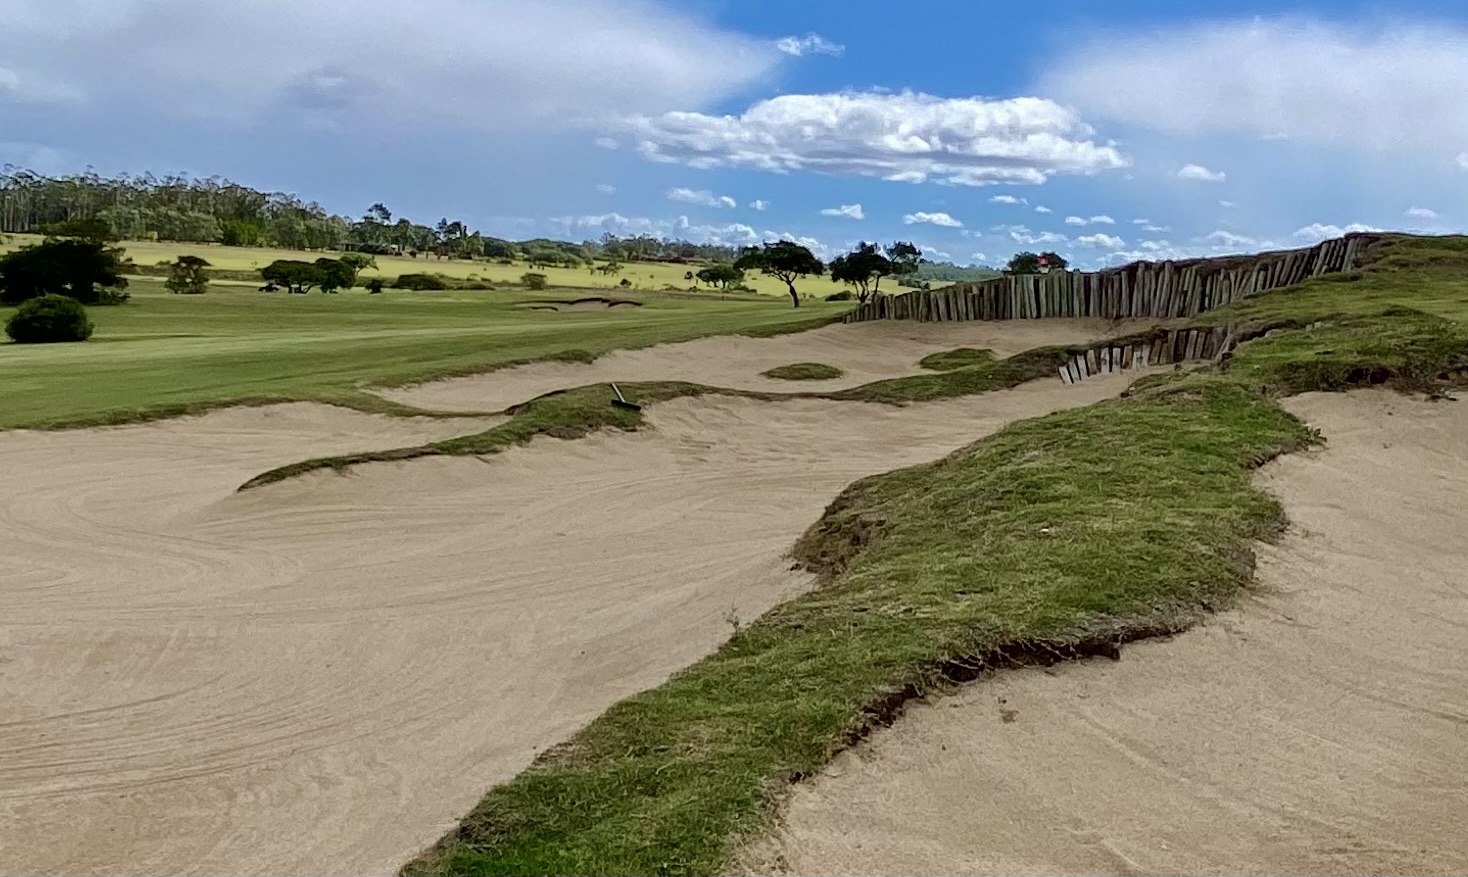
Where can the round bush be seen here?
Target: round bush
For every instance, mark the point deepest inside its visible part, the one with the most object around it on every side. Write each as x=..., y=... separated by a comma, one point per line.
x=49, y=319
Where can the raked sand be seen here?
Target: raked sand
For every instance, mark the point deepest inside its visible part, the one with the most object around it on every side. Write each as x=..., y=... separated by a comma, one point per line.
x=1321, y=728
x=323, y=675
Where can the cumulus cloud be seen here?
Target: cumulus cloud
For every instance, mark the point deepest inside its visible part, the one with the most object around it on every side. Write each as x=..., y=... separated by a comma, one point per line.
x=1227, y=204
x=1317, y=232
x=1198, y=173
x=850, y=211
x=1107, y=241
x=1223, y=238
x=942, y=219
x=734, y=234
x=978, y=258
x=759, y=204
x=810, y=44
x=1094, y=220
x=1007, y=199
x=1044, y=237
x=1420, y=213
x=910, y=137
x=606, y=188
x=1043, y=209
x=1380, y=85
x=480, y=65
x=701, y=197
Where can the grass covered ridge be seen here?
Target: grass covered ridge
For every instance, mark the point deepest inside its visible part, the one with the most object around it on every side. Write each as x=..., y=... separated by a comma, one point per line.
x=1063, y=535
x=804, y=371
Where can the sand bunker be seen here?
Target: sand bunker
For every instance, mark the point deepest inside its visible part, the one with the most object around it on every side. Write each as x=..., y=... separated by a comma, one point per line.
x=864, y=352
x=1320, y=729
x=323, y=675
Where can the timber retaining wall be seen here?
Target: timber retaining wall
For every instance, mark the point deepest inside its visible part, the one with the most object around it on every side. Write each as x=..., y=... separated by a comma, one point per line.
x=1140, y=289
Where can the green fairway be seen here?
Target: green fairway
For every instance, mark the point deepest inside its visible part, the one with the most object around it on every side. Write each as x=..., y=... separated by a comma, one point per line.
x=163, y=354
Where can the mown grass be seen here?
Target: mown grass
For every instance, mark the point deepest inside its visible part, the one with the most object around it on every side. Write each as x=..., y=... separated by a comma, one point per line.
x=804, y=371
x=1059, y=536
x=163, y=355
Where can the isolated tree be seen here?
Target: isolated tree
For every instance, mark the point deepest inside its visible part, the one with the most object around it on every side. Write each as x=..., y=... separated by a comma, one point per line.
x=786, y=260
x=186, y=276
x=61, y=266
x=49, y=319
x=531, y=280
x=862, y=268
x=335, y=275
x=95, y=230
x=722, y=275
x=296, y=276
x=610, y=267
x=905, y=258
x=1029, y=263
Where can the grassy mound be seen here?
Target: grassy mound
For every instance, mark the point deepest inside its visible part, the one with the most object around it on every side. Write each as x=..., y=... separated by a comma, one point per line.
x=963, y=357
x=1059, y=536
x=804, y=371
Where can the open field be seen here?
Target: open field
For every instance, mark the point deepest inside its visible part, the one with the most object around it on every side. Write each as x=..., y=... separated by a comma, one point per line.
x=164, y=354
x=590, y=612
x=643, y=275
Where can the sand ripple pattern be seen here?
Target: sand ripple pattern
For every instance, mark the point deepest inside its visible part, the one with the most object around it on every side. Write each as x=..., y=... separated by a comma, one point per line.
x=322, y=675
x=1320, y=729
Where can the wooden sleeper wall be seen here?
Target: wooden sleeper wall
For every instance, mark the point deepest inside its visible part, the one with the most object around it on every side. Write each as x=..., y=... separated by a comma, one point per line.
x=1141, y=289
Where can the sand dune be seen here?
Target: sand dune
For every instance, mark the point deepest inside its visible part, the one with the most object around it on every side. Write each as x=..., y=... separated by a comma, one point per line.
x=1322, y=728
x=865, y=352
x=322, y=675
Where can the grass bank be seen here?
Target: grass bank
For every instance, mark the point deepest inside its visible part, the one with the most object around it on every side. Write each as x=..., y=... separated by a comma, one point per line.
x=804, y=371
x=1058, y=536
x=163, y=355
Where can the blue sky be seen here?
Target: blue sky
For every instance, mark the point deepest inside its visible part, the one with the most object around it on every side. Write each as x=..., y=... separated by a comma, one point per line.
x=1107, y=132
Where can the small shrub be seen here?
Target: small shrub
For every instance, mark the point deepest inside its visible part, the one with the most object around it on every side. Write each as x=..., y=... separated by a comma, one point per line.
x=420, y=282
x=532, y=280
x=187, y=276
x=625, y=283
x=843, y=295
x=504, y=261
x=112, y=295
x=49, y=319
x=374, y=286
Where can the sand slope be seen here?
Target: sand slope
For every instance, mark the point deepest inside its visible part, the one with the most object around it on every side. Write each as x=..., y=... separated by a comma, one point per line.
x=1320, y=729
x=321, y=676
x=864, y=351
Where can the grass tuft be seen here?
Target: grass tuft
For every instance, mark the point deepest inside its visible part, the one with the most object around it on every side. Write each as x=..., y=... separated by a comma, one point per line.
x=804, y=371
x=963, y=357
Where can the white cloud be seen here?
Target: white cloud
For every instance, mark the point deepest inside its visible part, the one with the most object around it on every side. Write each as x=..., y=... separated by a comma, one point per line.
x=606, y=188
x=1044, y=237
x=760, y=205
x=1094, y=220
x=850, y=211
x=1462, y=160
x=1221, y=238
x=1198, y=173
x=1109, y=241
x=1317, y=232
x=1102, y=220
x=1043, y=209
x=1157, y=229
x=1141, y=222
x=734, y=234
x=810, y=44
x=910, y=137
x=1227, y=204
x=607, y=142
x=440, y=63
x=978, y=258
x=1075, y=220
x=1421, y=213
x=1007, y=199
x=1388, y=85
x=942, y=219
x=701, y=197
